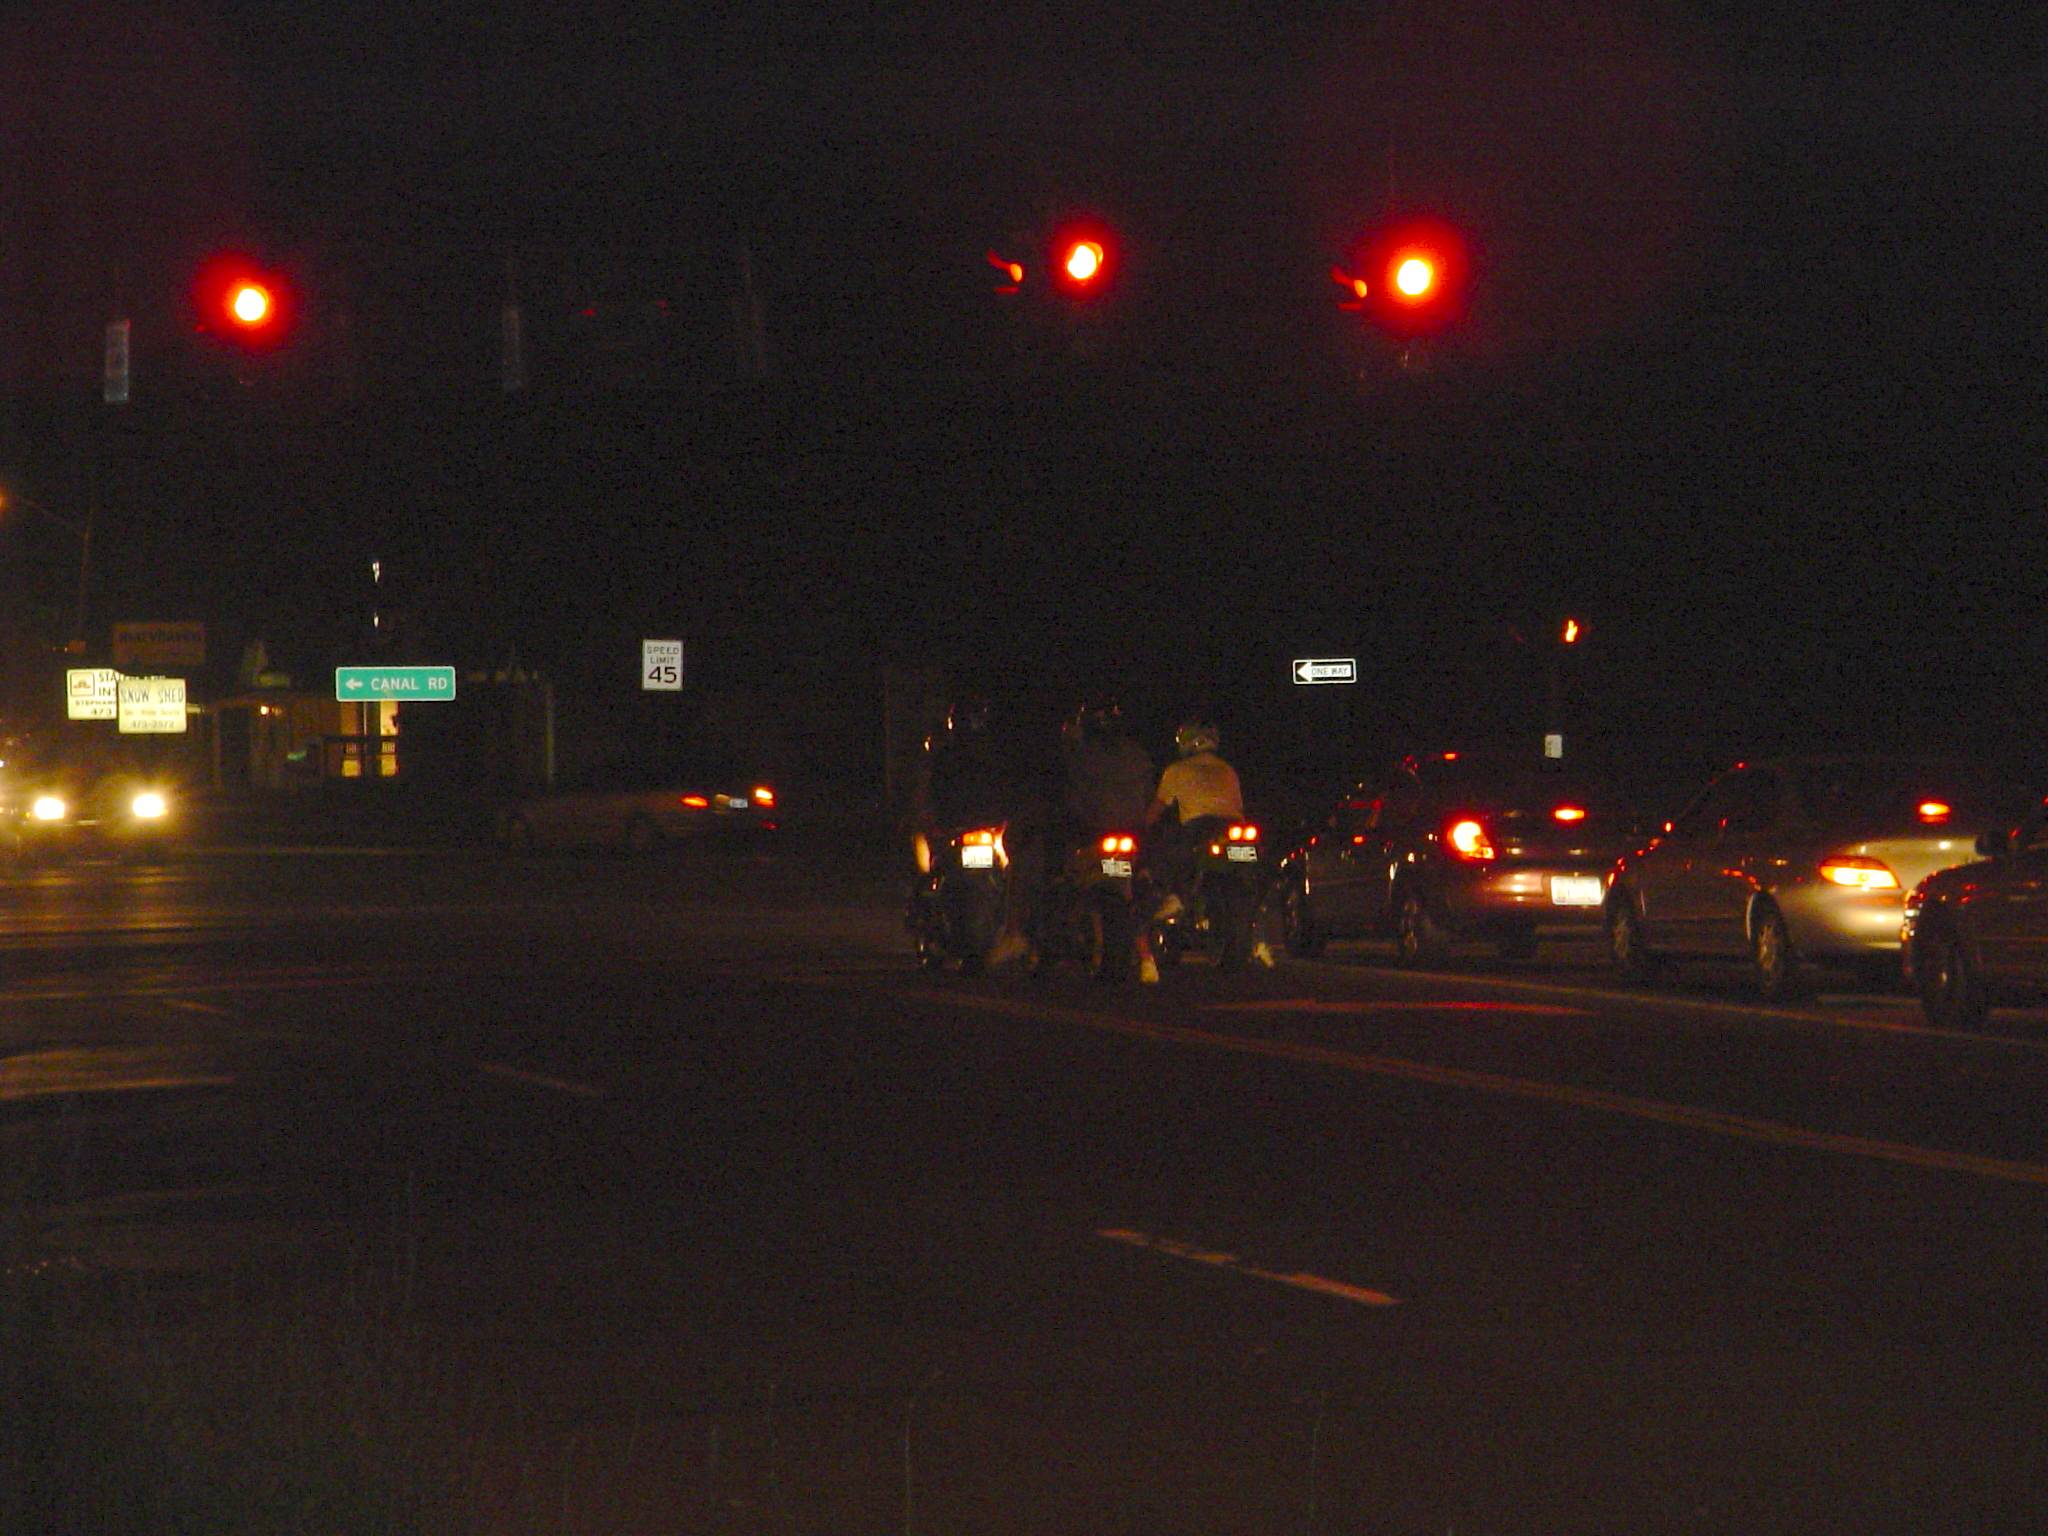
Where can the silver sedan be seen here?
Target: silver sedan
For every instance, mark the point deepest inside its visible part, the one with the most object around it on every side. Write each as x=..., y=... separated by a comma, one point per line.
x=1799, y=861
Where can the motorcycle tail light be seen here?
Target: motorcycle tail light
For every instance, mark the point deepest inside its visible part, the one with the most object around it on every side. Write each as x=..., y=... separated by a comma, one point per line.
x=1935, y=811
x=1468, y=839
x=1856, y=873
x=696, y=802
x=763, y=795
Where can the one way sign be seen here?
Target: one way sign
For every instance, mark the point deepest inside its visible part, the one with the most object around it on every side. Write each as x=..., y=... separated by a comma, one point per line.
x=1326, y=669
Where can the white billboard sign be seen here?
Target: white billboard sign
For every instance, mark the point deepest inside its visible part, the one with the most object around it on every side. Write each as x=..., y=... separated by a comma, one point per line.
x=152, y=704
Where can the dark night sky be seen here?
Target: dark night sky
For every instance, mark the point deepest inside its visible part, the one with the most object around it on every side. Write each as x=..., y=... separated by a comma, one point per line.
x=1752, y=372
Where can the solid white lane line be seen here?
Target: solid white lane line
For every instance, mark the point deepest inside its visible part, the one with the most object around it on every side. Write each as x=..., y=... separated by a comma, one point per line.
x=1714, y=1121
x=540, y=1080
x=1300, y=1280
x=1363, y=1005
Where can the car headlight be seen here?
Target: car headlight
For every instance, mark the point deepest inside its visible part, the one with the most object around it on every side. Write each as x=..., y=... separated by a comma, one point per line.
x=48, y=808
x=148, y=806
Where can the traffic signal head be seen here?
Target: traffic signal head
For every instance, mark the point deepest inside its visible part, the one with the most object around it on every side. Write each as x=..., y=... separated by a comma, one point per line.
x=244, y=303
x=1083, y=261
x=1011, y=270
x=1412, y=277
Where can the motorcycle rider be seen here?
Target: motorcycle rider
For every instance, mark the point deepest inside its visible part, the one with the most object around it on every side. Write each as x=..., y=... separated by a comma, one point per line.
x=969, y=780
x=1198, y=783
x=1108, y=786
x=1108, y=774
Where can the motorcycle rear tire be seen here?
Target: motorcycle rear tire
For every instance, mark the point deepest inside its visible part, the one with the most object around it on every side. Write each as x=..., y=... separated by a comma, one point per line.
x=1105, y=939
x=1230, y=919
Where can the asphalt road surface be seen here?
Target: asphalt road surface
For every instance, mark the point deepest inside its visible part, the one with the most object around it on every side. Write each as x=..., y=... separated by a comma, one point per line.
x=692, y=1206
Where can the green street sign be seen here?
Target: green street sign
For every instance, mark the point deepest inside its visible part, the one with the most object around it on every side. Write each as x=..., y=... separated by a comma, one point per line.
x=402, y=685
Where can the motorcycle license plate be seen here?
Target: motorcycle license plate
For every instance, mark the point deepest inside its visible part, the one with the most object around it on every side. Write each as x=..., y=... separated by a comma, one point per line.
x=977, y=856
x=736, y=802
x=1117, y=869
x=1576, y=890
x=1242, y=853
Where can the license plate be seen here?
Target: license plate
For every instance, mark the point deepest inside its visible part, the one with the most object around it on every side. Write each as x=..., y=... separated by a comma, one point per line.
x=977, y=856
x=1119, y=869
x=736, y=802
x=1577, y=890
x=1241, y=853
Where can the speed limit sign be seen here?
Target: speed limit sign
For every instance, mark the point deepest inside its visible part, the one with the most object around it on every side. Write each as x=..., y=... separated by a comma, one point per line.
x=661, y=665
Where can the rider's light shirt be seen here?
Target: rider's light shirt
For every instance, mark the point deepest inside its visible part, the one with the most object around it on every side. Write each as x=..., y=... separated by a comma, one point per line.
x=1204, y=784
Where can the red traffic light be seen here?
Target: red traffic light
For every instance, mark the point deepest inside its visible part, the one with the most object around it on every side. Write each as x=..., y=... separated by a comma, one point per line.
x=244, y=302
x=1083, y=261
x=1411, y=278
x=1013, y=270
x=250, y=305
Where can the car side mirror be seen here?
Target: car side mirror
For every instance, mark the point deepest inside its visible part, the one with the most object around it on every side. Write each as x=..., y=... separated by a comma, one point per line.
x=1994, y=844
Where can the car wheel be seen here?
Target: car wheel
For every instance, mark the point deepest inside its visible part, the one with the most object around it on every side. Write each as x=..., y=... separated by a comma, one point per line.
x=1778, y=973
x=1625, y=946
x=1304, y=938
x=642, y=835
x=1951, y=992
x=1418, y=938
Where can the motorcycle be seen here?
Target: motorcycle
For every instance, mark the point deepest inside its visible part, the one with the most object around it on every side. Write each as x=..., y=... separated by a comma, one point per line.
x=1218, y=913
x=956, y=904
x=1087, y=915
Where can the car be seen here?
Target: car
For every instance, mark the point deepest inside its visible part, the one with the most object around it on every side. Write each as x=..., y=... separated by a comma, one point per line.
x=1799, y=862
x=639, y=806
x=1977, y=934
x=1497, y=846
x=52, y=808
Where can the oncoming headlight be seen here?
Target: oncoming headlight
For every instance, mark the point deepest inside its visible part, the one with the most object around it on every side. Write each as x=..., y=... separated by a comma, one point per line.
x=148, y=806
x=47, y=808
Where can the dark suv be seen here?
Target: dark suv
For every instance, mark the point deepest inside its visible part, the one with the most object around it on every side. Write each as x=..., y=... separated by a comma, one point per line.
x=1455, y=846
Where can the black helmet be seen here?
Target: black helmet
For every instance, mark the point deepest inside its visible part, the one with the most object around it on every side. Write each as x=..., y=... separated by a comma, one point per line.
x=1196, y=736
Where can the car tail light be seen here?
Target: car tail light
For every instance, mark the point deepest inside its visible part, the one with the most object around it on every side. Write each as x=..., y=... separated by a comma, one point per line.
x=696, y=802
x=1857, y=873
x=1935, y=811
x=1468, y=839
x=1569, y=813
x=1119, y=842
x=763, y=795
x=1243, y=832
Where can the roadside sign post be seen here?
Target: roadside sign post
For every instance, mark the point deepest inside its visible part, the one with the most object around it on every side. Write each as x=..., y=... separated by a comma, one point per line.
x=1326, y=669
x=661, y=666
x=398, y=685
